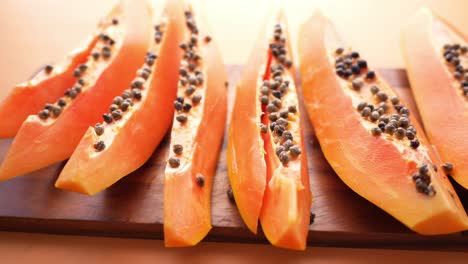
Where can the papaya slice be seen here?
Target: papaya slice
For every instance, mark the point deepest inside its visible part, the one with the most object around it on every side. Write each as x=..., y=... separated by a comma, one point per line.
x=196, y=135
x=266, y=154
x=46, y=85
x=436, y=56
x=109, y=151
x=53, y=134
x=370, y=138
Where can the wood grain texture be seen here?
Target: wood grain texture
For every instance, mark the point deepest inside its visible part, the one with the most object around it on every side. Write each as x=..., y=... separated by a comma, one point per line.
x=133, y=207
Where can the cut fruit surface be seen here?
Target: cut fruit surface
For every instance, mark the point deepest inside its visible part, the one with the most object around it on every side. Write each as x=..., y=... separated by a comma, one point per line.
x=266, y=154
x=245, y=153
x=196, y=136
x=436, y=56
x=53, y=134
x=46, y=86
x=370, y=138
x=109, y=151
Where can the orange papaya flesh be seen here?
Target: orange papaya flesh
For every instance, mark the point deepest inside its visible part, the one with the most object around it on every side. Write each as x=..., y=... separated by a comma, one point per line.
x=246, y=163
x=436, y=56
x=285, y=214
x=369, y=137
x=196, y=136
x=110, y=151
x=245, y=154
x=266, y=159
x=45, y=86
x=52, y=134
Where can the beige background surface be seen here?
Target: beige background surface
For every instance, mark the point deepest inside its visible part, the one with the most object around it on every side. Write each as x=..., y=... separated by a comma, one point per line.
x=36, y=32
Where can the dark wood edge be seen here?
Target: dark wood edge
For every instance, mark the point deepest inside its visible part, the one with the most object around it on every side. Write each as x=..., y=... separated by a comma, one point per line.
x=410, y=241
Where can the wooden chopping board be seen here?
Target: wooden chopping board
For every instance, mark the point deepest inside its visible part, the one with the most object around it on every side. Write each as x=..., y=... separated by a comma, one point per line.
x=133, y=207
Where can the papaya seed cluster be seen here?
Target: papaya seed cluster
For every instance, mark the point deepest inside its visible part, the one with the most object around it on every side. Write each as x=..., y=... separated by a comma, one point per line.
x=103, y=50
x=456, y=59
x=272, y=92
x=122, y=103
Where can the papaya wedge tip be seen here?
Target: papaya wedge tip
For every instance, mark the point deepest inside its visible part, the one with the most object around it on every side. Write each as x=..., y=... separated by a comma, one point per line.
x=53, y=134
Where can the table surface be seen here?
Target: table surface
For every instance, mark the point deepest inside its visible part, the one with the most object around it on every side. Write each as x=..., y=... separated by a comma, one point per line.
x=37, y=32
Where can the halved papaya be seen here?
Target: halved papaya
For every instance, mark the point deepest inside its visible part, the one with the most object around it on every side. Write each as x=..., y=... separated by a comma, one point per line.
x=53, y=134
x=369, y=137
x=45, y=86
x=196, y=136
x=436, y=56
x=246, y=161
x=109, y=151
x=266, y=155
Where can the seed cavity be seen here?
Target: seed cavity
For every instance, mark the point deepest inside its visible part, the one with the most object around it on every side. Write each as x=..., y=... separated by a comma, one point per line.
x=103, y=50
x=375, y=109
x=422, y=180
x=190, y=74
x=455, y=56
x=278, y=48
x=122, y=103
x=271, y=93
